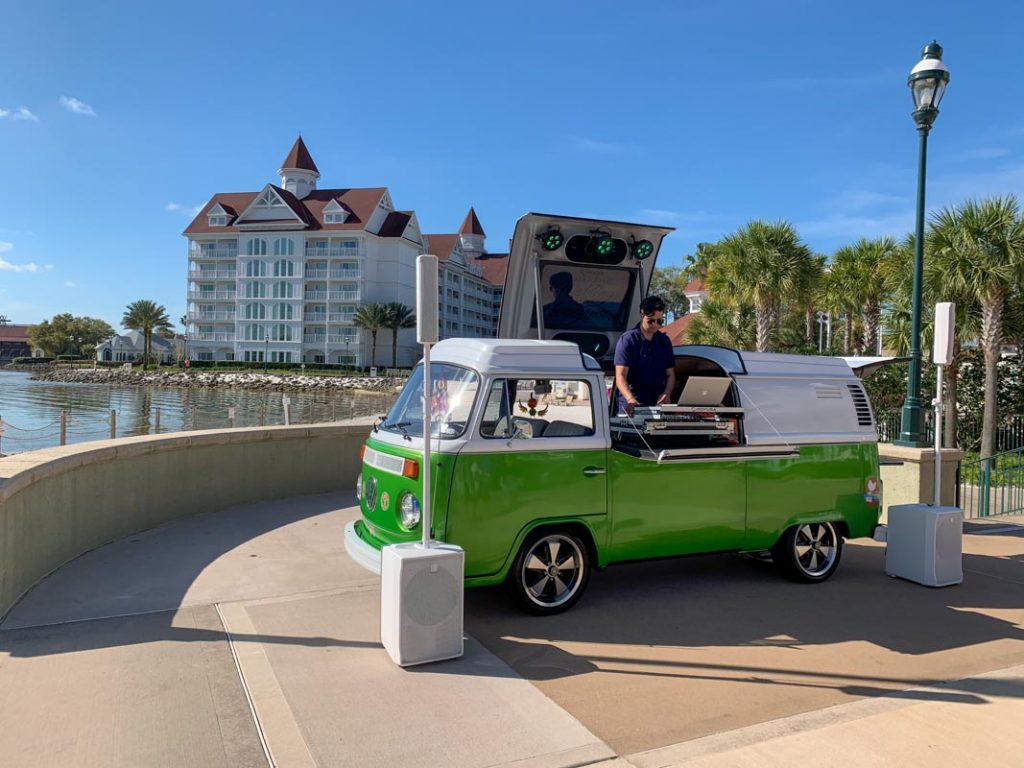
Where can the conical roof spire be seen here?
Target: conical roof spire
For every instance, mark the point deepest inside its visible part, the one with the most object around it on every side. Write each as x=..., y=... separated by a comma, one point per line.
x=471, y=225
x=299, y=158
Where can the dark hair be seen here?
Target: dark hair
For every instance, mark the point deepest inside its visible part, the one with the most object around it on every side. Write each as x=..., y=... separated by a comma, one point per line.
x=561, y=281
x=652, y=304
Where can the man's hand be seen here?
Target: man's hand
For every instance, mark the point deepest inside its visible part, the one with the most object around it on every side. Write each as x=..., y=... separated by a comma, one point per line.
x=629, y=408
x=663, y=398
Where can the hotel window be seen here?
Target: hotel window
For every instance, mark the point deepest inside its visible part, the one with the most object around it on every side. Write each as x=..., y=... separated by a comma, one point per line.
x=284, y=247
x=257, y=247
x=255, y=269
x=334, y=218
x=280, y=357
x=283, y=311
x=282, y=290
x=255, y=290
x=255, y=312
x=254, y=333
x=218, y=221
x=284, y=268
x=281, y=332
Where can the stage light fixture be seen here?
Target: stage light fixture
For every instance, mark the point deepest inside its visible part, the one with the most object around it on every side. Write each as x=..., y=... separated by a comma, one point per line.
x=603, y=243
x=551, y=240
x=642, y=249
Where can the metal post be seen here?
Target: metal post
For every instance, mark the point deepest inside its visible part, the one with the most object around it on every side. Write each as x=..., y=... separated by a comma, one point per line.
x=158, y=421
x=428, y=393
x=910, y=426
x=63, y=427
x=937, y=404
x=113, y=424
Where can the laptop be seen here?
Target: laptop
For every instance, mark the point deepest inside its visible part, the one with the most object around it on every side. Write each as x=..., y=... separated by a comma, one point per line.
x=704, y=390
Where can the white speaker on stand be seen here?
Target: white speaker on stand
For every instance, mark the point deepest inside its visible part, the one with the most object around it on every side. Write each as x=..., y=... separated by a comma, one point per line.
x=421, y=585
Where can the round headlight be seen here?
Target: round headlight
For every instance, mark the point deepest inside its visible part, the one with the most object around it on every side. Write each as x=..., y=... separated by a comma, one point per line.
x=359, y=485
x=370, y=493
x=409, y=510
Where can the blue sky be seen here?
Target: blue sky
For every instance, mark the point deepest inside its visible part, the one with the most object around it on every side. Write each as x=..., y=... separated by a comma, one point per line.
x=120, y=118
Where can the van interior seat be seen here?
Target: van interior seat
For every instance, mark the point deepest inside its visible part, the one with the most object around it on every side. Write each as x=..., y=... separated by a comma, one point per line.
x=508, y=426
x=566, y=429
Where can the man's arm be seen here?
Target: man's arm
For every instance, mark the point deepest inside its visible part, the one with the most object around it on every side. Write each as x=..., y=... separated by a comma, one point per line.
x=621, y=371
x=670, y=384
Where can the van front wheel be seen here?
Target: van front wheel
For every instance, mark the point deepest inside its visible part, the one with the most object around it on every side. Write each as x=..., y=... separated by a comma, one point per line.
x=809, y=552
x=550, y=572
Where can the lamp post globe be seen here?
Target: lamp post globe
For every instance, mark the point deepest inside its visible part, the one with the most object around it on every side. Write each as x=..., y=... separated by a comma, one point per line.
x=927, y=83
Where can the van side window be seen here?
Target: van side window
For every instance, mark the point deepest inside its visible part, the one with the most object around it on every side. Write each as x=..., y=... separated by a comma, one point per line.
x=538, y=408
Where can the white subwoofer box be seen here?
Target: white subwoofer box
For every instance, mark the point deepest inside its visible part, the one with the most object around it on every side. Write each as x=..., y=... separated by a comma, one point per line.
x=925, y=544
x=421, y=602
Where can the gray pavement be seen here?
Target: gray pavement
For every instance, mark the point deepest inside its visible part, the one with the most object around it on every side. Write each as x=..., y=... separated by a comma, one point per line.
x=248, y=638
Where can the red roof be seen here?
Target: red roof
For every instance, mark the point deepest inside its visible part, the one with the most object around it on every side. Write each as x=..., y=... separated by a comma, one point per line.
x=471, y=225
x=441, y=245
x=494, y=266
x=360, y=203
x=694, y=286
x=14, y=333
x=676, y=330
x=394, y=225
x=300, y=158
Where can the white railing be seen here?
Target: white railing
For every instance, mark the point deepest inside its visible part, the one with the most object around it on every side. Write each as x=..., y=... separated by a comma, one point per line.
x=211, y=316
x=345, y=274
x=312, y=317
x=315, y=295
x=335, y=338
x=342, y=317
x=212, y=274
x=213, y=337
x=212, y=295
x=344, y=295
x=316, y=274
x=213, y=253
x=332, y=252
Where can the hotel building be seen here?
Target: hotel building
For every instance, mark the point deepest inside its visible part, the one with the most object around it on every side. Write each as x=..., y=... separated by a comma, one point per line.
x=279, y=274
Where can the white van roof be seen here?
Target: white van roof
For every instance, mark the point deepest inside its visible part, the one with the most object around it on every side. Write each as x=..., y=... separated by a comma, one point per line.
x=499, y=355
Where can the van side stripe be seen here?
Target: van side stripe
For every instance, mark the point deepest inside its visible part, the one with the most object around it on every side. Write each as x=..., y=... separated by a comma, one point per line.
x=385, y=462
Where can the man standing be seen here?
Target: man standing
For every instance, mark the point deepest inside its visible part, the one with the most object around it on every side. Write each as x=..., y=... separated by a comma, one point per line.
x=645, y=372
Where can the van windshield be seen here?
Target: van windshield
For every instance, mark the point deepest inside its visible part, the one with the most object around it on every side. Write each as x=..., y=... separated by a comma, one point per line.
x=585, y=298
x=453, y=390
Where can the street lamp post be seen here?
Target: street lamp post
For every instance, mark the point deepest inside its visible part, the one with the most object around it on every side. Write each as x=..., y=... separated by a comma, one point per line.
x=927, y=83
x=266, y=352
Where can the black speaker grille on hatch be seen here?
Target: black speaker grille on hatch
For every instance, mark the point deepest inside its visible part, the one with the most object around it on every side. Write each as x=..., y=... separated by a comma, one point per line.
x=860, y=402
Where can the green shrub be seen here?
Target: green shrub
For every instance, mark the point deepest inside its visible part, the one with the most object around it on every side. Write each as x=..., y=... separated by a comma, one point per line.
x=31, y=360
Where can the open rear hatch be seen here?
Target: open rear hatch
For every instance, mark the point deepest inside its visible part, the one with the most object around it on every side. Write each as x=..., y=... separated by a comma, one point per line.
x=578, y=280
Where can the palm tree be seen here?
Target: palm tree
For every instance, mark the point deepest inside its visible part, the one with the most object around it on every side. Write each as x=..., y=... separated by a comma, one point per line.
x=980, y=246
x=372, y=317
x=760, y=265
x=146, y=316
x=722, y=324
x=398, y=316
x=861, y=269
x=842, y=296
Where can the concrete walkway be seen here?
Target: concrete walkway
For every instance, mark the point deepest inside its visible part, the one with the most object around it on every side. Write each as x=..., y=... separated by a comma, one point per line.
x=248, y=638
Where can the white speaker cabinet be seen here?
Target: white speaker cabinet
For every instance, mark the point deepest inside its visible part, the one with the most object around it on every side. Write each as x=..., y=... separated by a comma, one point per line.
x=925, y=544
x=421, y=602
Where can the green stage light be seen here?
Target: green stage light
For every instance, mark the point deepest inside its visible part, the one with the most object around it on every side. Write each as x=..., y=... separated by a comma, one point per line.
x=642, y=249
x=551, y=240
x=603, y=244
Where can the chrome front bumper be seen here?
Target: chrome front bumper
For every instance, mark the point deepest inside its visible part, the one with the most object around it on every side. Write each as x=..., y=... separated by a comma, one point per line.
x=360, y=551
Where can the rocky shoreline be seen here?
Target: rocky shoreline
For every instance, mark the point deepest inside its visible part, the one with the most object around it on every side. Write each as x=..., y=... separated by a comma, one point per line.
x=233, y=379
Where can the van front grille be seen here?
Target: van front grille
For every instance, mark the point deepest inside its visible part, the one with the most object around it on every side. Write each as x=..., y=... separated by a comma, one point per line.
x=860, y=402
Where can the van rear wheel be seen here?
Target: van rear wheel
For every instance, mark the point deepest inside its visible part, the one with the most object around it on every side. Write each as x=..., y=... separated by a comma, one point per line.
x=809, y=552
x=550, y=572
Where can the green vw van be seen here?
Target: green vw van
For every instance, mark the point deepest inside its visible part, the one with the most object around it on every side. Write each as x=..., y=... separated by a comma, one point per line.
x=539, y=481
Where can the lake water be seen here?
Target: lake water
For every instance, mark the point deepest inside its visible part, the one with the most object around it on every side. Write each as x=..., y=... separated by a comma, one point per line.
x=31, y=409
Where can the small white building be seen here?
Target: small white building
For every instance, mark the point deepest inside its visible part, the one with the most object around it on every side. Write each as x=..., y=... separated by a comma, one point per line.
x=131, y=346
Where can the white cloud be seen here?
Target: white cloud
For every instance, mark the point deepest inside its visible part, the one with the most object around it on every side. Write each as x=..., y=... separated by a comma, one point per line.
x=22, y=113
x=72, y=104
x=186, y=210
x=4, y=113
x=70, y=284
x=5, y=246
x=9, y=267
x=983, y=153
x=49, y=267
x=597, y=147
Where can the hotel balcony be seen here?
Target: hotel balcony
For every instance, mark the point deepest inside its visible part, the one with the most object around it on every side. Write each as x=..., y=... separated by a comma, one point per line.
x=211, y=274
x=333, y=252
x=212, y=295
x=314, y=339
x=212, y=337
x=213, y=252
x=221, y=316
x=315, y=295
x=344, y=295
x=333, y=274
x=342, y=317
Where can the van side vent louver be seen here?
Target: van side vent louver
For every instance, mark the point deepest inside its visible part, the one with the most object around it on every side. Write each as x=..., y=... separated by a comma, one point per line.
x=860, y=402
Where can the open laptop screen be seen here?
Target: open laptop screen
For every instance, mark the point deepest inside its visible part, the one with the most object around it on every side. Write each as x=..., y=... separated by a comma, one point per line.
x=704, y=390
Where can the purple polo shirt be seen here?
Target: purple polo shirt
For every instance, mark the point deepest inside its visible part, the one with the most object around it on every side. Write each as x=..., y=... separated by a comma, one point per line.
x=647, y=362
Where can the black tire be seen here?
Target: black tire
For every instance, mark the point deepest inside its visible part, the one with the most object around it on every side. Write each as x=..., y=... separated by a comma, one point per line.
x=809, y=552
x=550, y=571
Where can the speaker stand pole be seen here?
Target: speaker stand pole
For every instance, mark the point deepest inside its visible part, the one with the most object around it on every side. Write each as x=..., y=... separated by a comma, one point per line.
x=428, y=408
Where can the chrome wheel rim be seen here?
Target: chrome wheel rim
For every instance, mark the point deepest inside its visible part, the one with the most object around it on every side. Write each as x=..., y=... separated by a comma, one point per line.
x=552, y=571
x=815, y=547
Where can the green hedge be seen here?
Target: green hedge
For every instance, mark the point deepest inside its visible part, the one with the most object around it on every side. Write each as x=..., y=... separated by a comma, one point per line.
x=31, y=360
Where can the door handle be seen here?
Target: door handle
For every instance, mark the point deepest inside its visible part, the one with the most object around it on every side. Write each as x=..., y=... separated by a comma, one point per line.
x=592, y=471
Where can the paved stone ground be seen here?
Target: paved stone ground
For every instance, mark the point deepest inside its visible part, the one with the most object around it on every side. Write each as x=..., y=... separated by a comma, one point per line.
x=218, y=640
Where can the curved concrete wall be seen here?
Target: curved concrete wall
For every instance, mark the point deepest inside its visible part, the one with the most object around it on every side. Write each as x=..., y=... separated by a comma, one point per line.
x=57, y=503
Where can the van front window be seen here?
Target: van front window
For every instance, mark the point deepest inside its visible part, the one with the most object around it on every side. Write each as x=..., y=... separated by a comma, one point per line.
x=453, y=390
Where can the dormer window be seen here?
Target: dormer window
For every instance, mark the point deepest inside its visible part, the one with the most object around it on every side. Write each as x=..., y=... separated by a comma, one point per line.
x=334, y=213
x=270, y=199
x=218, y=221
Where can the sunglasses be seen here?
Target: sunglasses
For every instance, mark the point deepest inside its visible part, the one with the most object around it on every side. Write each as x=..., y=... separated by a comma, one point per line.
x=658, y=320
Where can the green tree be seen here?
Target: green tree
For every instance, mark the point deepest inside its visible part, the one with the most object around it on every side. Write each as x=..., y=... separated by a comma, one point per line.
x=723, y=324
x=65, y=334
x=398, y=316
x=980, y=246
x=760, y=265
x=860, y=271
x=146, y=317
x=372, y=317
x=670, y=284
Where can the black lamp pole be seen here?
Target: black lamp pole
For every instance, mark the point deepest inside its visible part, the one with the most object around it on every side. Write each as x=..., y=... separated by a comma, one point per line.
x=266, y=353
x=927, y=83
